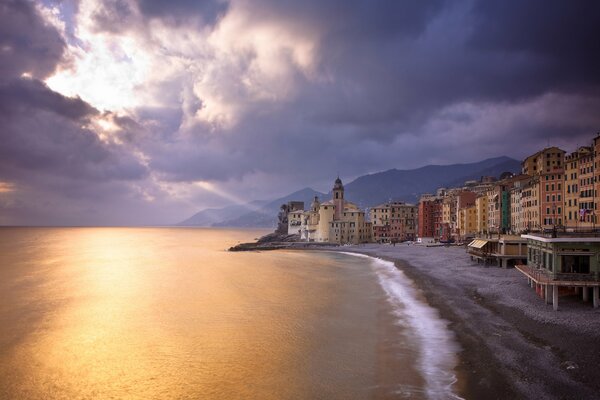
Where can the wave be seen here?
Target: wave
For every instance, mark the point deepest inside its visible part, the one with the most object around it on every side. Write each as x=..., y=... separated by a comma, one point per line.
x=437, y=347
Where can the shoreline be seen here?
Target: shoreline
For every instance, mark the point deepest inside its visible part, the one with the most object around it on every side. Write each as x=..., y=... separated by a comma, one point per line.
x=513, y=345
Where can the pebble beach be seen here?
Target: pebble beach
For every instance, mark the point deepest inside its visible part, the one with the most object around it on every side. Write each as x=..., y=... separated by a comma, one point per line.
x=513, y=344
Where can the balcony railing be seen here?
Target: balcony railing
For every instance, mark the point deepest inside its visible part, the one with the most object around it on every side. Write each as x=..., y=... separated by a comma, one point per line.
x=575, y=277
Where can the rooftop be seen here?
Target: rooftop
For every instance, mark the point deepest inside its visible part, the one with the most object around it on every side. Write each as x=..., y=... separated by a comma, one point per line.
x=563, y=236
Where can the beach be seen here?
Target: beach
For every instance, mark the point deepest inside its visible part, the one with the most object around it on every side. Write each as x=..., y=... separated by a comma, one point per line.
x=513, y=344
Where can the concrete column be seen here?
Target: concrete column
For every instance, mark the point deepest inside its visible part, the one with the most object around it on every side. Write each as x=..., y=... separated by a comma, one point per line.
x=585, y=294
x=547, y=289
x=555, y=297
x=595, y=296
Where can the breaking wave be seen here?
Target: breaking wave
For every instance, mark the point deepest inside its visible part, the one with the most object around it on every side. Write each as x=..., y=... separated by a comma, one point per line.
x=437, y=348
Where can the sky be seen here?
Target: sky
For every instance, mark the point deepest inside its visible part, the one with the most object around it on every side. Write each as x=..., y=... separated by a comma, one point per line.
x=143, y=112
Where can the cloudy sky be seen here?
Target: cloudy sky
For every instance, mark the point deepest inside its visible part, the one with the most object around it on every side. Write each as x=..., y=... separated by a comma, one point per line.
x=145, y=111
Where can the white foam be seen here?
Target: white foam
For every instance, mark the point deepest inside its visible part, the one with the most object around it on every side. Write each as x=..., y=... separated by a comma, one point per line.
x=437, y=348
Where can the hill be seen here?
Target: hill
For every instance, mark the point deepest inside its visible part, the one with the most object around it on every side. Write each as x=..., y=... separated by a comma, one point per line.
x=408, y=185
x=366, y=191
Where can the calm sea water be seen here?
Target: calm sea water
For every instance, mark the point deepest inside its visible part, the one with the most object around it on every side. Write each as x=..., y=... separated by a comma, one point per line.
x=160, y=313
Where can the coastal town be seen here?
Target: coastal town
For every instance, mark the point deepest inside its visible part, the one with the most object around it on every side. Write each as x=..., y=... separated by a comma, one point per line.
x=541, y=221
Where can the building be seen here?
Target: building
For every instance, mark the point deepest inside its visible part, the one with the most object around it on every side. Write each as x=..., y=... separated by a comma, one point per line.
x=563, y=262
x=503, y=250
x=334, y=221
x=394, y=222
x=530, y=205
x=548, y=165
x=380, y=220
x=481, y=208
x=429, y=216
x=579, y=193
x=467, y=222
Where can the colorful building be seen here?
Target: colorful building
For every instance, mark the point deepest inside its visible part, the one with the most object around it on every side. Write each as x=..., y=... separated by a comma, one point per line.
x=394, y=222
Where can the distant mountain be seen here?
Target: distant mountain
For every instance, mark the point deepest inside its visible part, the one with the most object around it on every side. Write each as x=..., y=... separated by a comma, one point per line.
x=254, y=214
x=211, y=216
x=408, y=185
x=366, y=191
x=266, y=216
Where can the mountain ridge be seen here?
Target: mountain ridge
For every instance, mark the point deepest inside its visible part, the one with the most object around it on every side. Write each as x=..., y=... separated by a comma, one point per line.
x=366, y=191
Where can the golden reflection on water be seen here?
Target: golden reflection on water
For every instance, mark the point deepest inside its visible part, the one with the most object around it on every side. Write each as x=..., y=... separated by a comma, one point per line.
x=166, y=313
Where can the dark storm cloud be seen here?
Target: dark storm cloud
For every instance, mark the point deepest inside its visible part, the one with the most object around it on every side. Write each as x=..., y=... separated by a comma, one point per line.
x=460, y=55
x=556, y=41
x=394, y=68
x=23, y=95
x=45, y=132
x=45, y=137
x=27, y=45
x=353, y=20
x=392, y=84
x=208, y=10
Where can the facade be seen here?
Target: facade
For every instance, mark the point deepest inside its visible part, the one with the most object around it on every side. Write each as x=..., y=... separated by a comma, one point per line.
x=429, y=211
x=516, y=210
x=394, y=222
x=334, y=221
x=548, y=165
x=580, y=193
x=295, y=222
x=380, y=220
x=481, y=208
x=467, y=222
x=530, y=205
x=564, y=262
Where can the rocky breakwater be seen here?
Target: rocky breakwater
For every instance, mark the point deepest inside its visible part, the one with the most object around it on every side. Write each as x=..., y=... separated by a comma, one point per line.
x=272, y=241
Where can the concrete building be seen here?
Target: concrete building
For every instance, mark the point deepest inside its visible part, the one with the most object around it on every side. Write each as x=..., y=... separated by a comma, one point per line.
x=563, y=263
x=502, y=250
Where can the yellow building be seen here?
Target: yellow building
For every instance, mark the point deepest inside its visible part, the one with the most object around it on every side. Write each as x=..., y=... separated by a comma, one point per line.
x=335, y=221
x=579, y=188
x=481, y=209
x=530, y=205
x=467, y=222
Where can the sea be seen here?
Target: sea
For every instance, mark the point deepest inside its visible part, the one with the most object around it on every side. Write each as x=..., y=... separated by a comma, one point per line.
x=169, y=313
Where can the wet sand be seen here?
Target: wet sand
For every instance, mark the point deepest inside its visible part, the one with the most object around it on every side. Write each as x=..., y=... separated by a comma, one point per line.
x=514, y=346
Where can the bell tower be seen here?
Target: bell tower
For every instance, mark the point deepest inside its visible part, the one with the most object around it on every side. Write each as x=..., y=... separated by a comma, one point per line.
x=338, y=198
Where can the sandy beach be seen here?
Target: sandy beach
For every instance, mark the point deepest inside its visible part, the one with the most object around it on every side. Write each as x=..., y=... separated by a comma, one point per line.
x=514, y=346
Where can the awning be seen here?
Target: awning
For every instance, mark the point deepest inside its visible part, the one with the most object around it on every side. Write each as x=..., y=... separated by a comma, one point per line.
x=478, y=243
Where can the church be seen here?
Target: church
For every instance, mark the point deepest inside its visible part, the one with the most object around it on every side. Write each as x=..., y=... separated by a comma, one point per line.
x=335, y=221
